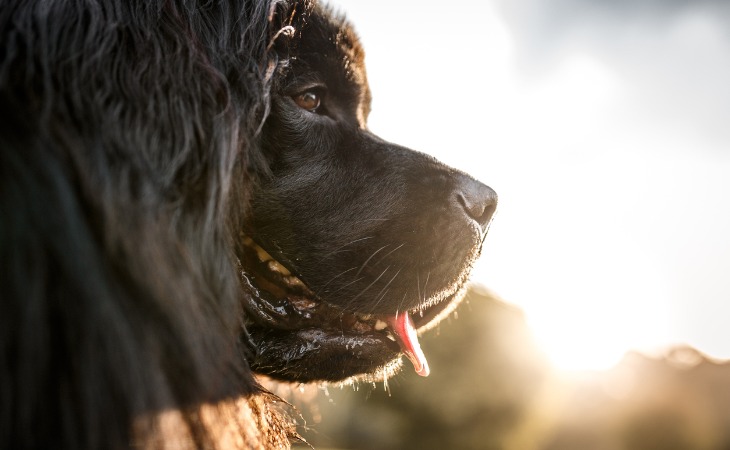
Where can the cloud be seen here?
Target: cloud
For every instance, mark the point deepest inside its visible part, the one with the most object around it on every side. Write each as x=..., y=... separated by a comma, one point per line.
x=673, y=55
x=545, y=23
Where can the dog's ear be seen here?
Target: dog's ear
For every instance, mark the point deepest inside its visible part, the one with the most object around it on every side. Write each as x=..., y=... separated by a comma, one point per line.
x=287, y=19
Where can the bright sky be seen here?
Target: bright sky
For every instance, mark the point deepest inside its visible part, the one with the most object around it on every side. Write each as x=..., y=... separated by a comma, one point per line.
x=606, y=134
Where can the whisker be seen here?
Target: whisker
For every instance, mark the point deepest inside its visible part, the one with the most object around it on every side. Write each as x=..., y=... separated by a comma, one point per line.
x=377, y=302
x=425, y=285
x=400, y=304
x=389, y=253
x=371, y=257
x=381, y=295
x=346, y=285
x=338, y=249
x=337, y=276
x=368, y=286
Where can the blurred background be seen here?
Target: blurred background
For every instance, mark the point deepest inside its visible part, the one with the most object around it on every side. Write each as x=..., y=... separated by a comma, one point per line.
x=598, y=317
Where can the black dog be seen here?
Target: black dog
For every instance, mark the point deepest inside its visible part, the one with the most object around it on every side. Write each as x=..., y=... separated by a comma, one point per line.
x=189, y=194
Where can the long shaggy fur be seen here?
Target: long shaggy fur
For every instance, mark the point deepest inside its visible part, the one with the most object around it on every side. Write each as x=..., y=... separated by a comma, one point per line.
x=123, y=127
x=174, y=216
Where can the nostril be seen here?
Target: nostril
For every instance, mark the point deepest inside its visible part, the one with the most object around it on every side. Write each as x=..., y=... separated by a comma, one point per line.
x=478, y=201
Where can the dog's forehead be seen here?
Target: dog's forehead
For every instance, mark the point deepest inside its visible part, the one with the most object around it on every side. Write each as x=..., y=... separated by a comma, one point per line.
x=329, y=34
x=327, y=44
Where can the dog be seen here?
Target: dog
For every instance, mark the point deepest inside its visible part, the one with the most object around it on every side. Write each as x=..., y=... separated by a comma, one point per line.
x=190, y=197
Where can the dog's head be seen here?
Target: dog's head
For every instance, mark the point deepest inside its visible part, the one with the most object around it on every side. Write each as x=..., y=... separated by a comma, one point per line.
x=352, y=245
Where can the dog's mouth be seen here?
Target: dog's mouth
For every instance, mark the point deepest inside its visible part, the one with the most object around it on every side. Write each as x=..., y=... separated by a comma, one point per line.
x=299, y=337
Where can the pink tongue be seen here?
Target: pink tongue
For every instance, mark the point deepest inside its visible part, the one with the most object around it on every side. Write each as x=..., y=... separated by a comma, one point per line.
x=405, y=333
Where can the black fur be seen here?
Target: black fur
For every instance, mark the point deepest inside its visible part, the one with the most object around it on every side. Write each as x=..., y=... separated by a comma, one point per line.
x=141, y=143
x=122, y=124
x=369, y=226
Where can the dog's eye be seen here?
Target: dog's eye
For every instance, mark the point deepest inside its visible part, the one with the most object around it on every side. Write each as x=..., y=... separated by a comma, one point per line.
x=309, y=100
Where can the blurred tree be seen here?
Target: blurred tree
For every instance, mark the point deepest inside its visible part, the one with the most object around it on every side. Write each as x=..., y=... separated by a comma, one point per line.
x=490, y=388
x=485, y=370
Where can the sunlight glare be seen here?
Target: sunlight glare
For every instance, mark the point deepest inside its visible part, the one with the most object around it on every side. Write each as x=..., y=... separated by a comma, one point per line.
x=579, y=320
x=602, y=233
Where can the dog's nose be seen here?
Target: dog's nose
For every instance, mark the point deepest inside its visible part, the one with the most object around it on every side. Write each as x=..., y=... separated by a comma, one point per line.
x=479, y=201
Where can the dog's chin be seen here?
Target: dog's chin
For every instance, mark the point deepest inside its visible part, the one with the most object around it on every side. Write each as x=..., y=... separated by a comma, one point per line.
x=298, y=337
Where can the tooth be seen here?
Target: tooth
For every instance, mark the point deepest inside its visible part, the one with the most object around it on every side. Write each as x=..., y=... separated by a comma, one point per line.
x=380, y=325
x=366, y=316
x=262, y=254
x=277, y=267
x=294, y=281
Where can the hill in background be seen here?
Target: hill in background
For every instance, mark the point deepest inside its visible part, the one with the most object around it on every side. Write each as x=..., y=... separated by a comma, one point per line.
x=491, y=388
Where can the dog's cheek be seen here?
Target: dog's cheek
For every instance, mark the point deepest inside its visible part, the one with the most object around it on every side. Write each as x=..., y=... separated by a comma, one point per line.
x=293, y=133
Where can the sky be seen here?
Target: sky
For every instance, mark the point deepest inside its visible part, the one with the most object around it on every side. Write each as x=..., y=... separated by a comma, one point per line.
x=604, y=126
